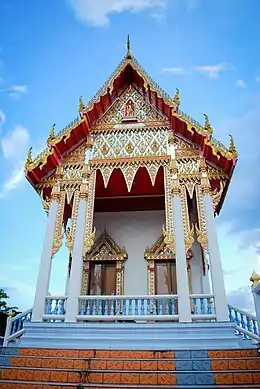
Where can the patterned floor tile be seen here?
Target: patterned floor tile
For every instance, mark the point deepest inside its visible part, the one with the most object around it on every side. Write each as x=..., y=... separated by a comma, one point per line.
x=185, y=379
x=182, y=354
x=204, y=378
x=148, y=379
x=243, y=378
x=201, y=365
x=183, y=365
x=199, y=354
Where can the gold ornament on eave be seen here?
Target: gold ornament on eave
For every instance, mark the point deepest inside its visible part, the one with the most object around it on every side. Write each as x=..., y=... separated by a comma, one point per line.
x=232, y=148
x=29, y=158
x=207, y=125
x=176, y=98
x=255, y=278
x=168, y=239
x=51, y=136
x=81, y=104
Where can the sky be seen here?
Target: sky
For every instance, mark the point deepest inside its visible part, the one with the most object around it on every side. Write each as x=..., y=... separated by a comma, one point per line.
x=52, y=52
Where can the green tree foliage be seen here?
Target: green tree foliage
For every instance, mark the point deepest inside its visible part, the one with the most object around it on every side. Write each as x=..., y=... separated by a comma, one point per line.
x=4, y=310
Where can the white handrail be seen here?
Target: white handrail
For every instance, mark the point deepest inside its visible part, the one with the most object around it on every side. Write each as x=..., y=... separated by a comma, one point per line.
x=241, y=311
x=129, y=297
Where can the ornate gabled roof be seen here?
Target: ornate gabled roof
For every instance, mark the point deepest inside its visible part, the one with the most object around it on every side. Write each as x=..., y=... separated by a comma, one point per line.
x=128, y=72
x=105, y=249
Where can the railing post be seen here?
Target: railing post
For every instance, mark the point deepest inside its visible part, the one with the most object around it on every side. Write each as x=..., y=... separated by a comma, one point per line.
x=7, y=330
x=256, y=295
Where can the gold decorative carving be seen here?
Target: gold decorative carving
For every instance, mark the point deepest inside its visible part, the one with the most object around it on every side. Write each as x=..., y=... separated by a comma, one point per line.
x=51, y=136
x=207, y=125
x=81, y=104
x=188, y=230
x=160, y=249
x=216, y=195
x=46, y=202
x=201, y=218
x=189, y=238
x=232, y=148
x=171, y=137
x=168, y=239
x=88, y=242
x=176, y=98
x=201, y=238
x=88, y=225
x=168, y=200
x=70, y=232
x=255, y=278
x=29, y=159
x=58, y=233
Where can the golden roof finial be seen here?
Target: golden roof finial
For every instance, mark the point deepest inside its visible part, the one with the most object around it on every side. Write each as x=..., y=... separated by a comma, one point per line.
x=176, y=98
x=232, y=148
x=255, y=278
x=81, y=104
x=29, y=158
x=51, y=135
x=207, y=125
x=128, y=47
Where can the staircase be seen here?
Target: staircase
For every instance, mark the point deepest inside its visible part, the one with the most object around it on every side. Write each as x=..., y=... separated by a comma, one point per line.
x=31, y=368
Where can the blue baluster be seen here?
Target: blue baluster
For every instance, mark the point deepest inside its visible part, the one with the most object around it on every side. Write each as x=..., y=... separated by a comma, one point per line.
x=209, y=306
x=136, y=306
x=30, y=316
x=88, y=302
x=82, y=311
x=195, y=306
x=160, y=307
x=167, y=307
x=130, y=307
x=118, y=307
x=112, y=310
x=94, y=308
x=249, y=324
x=106, y=307
x=231, y=318
x=14, y=329
x=237, y=319
x=154, y=307
x=49, y=306
x=202, y=308
x=173, y=306
x=124, y=307
x=100, y=308
x=19, y=325
x=56, y=308
x=142, y=306
x=148, y=306
x=255, y=327
x=242, y=320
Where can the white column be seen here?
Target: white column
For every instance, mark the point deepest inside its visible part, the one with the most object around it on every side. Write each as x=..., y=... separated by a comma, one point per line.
x=181, y=264
x=215, y=262
x=42, y=287
x=256, y=295
x=74, y=288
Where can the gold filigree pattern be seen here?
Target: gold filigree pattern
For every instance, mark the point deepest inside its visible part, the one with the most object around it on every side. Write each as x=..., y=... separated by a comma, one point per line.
x=132, y=143
x=201, y=218
x=46, y=202
x=160, y=249
x=58, y=233
x=70, y=232
x=216, y=195
x=188, y=230
x=143, y=110
x=89, y=242
x=168, y=200
x=88, y=225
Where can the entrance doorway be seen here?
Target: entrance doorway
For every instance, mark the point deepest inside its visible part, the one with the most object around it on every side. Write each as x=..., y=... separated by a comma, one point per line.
x=166, y=284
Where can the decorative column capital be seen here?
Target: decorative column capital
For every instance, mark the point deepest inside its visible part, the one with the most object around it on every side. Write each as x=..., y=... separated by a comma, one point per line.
x=55, y=193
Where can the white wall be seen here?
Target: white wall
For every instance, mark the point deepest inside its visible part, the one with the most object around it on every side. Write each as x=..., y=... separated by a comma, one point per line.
x=196, y=268
x=135, y=231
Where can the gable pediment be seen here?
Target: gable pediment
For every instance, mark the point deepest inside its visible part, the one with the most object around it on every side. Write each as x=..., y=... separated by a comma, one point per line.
x=159, y=250
x=105, y=249
x=130, y=104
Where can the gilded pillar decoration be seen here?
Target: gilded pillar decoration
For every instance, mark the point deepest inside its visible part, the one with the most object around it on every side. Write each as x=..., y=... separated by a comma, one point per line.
x=201, y=229
x=70, y=232
x=168, y=201
x=58, y=232
x=188, y=230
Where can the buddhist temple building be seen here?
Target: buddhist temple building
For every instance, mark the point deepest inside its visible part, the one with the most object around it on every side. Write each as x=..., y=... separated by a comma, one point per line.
x=133, y=185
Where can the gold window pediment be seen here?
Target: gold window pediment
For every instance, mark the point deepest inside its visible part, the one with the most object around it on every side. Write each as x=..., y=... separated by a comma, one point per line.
x=105, y=249
x=159, y=250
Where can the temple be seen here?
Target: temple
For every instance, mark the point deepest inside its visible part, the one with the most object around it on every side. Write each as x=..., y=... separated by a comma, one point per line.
x=131, y=187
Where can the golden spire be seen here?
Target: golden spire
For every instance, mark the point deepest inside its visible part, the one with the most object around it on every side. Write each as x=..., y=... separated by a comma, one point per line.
x=29, y=158
x=255, y=278
x=51, y=135
x=128, y=47
x=176, y=98
x=232, y=148
x=207, y=125
x=81, y=104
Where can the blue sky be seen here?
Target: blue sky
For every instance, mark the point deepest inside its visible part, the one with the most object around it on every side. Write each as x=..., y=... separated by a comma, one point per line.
x=53, y=52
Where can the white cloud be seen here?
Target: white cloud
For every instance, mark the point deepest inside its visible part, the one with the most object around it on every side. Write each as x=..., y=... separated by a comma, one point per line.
x=174, y=70
x=15, y=91
x=97, y=12
x=213, y=71
x=241, y=84
x=14, y=147
x=2, y=116
x=15, y=143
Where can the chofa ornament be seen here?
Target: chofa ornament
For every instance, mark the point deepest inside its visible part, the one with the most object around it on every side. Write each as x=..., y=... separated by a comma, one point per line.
x=168, y=238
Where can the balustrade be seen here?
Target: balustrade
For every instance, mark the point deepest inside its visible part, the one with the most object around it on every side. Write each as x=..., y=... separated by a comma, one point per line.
x=203, y=306
x=245, y=322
